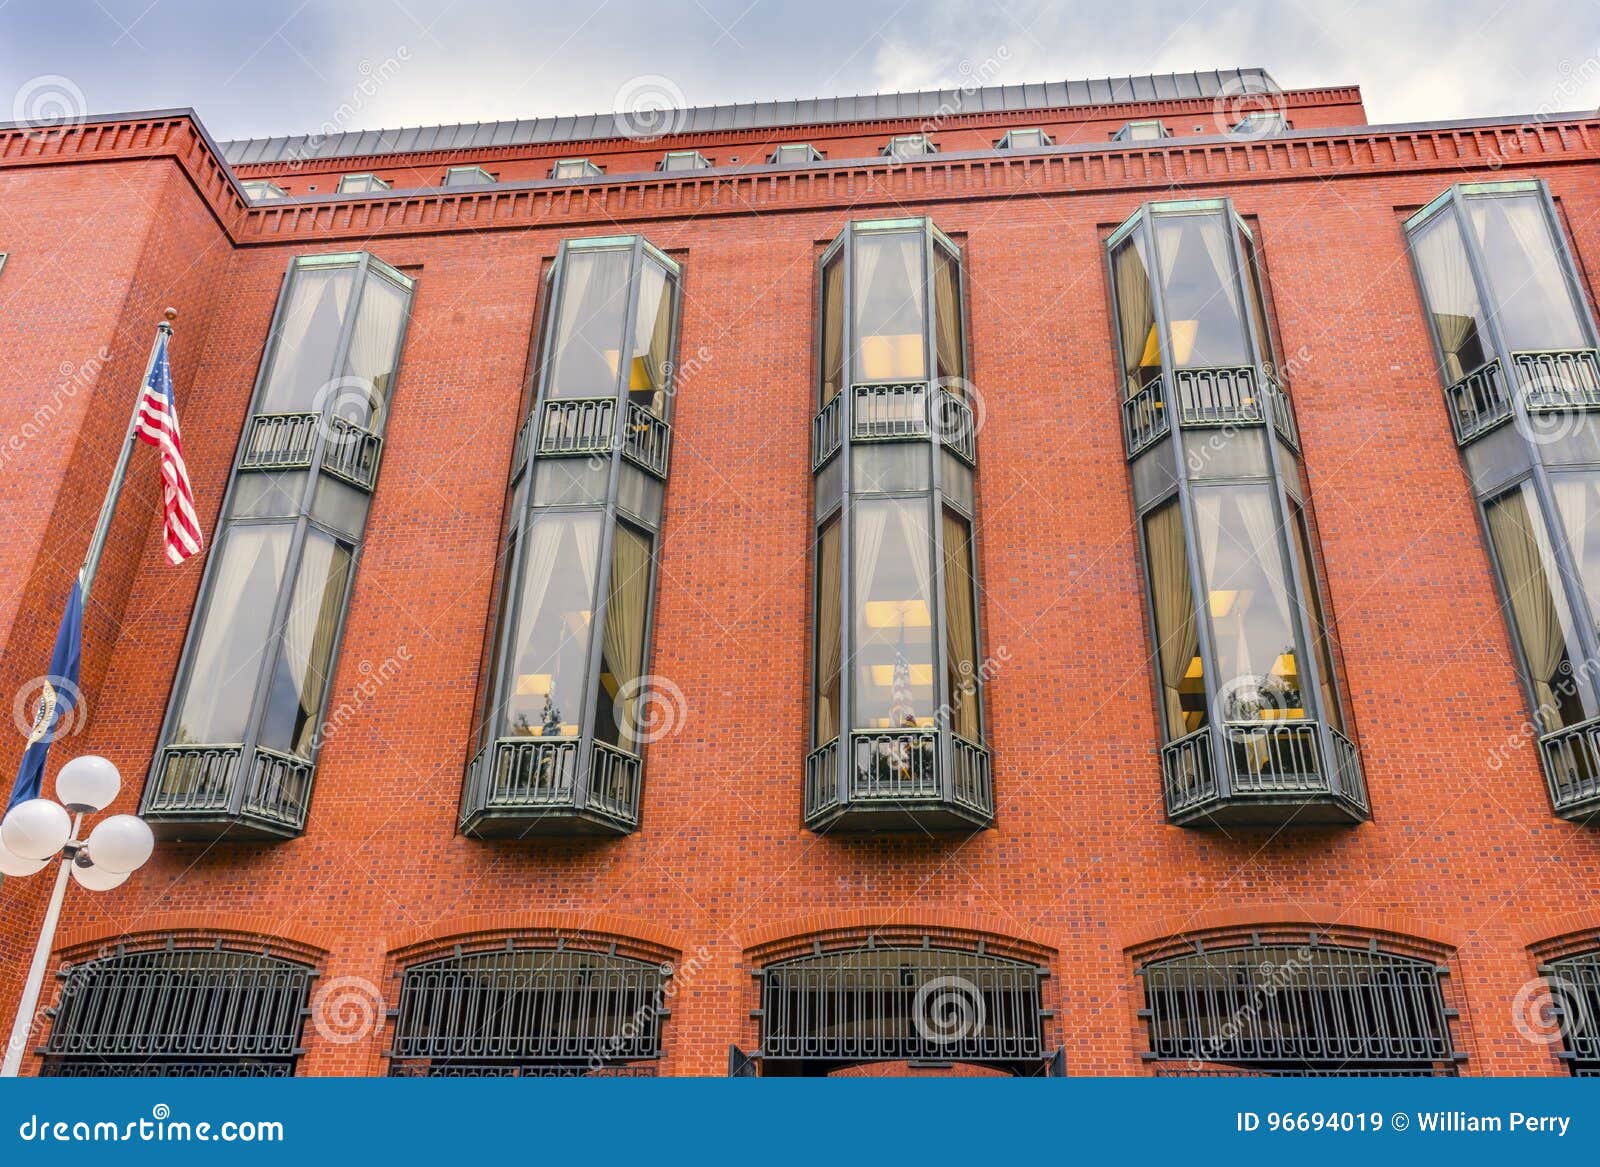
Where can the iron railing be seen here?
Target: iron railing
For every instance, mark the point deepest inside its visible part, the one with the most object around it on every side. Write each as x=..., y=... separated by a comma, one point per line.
x=899, y=767
x=532, y=1012
x=541, y=775
x=647, y=440
x=1276, y=761
x=1478, y=402
x=519, y=448
x=1311, y=1008
x=889, y=411
x=201, y=780
x=1575, y=997
x=893, y=412
x=587, y=425
x=1571, y=757
x=827, y=430
x=288, y=441
x=895, y=764
x=1207, y=398
x=464, y=1069
x=822, y=779
x=1144, y=418
x=956, y=426
x=1559, y=378
x=973, y=783
x=179, y=1012
x=902, y=1004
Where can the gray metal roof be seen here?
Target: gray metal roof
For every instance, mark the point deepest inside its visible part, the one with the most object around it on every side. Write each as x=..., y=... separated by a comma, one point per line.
x=756, y=114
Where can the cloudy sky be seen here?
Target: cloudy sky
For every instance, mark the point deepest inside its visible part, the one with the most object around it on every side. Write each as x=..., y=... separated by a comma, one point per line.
x=259, y=67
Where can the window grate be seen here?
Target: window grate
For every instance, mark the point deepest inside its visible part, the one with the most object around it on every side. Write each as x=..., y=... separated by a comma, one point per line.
x=1575, y=993
x=1308, y=1009
x=179, y=1012
x=902, y=1004
x=527, y=1013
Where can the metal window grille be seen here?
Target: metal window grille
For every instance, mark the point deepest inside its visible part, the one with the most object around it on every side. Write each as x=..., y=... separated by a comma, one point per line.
x=179, y=1012
x=902, y=1004
x=528, y=1013
x=1574, y=986
x=1306, y=1009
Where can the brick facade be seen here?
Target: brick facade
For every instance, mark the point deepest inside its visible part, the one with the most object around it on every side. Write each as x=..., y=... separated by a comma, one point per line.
x=108, y=222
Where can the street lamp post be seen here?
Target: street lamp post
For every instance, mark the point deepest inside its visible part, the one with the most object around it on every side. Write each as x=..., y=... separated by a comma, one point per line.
x=36, y=831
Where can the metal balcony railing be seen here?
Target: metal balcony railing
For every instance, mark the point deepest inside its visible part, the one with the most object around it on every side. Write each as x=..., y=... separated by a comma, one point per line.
x=1270, y=764
x=200, y=783
x=1144, y=418
x=587, y=425
x=1571, y=758
x=827, y=431
x=1207, y=398
x=894, y=412
x=288, y=441
x=646, y=440
x=519, y=449
x=1478, y=402
x=1558, y=379
x=899, y=768
x=539, y=776
x=889, y=411
x=894, y=764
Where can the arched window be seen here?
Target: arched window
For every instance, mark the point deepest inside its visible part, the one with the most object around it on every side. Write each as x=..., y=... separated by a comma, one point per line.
x=1286, y=1008
x=927, y=1005
x=530, y=1012
x=1574, y=986
x=179, y=1013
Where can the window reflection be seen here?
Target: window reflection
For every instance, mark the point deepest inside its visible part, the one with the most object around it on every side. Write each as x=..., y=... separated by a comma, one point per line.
x=961, y=629
x=1182, y=673
x=305, y=661
x=589, y=327
x=551, y=646
x=1532, y=303
x=889, y=309
x=1578, y=502
x=893, y=612
x=307, y=339
x=1136, y=314
x=1204, y=322
x=1452, y=297
x=825, y=724
x=947, y=321
x=622, y=642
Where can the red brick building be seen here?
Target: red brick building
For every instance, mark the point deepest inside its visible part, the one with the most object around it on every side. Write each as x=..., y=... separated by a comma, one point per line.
x=1088, y=577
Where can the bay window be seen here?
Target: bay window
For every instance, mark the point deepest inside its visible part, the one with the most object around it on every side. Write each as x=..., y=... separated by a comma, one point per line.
x=560, y=748
x=244, y=724
x=897, y=727
x=1247, y=694
x=1516, y=349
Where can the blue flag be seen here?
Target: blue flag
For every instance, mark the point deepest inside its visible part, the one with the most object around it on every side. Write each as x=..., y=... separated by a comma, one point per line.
x=59, y=695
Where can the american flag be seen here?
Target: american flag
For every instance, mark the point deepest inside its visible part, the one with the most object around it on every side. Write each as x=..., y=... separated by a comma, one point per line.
x=158, y=425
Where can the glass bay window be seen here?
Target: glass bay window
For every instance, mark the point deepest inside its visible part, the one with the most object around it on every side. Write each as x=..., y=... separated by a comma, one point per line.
x=897, y=728
x=1516, y=348
x=1247, y=697
x=244, y=723
x=561, y=743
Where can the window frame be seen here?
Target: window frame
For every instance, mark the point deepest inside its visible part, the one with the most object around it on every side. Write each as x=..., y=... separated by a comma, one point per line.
x=813, y=155
x=1006, y=141
x=373, y=184
x=1125, y=133
x=700, y=161
x=591, y=170
x=926, y=147
x=262, y=190
x=479, y=176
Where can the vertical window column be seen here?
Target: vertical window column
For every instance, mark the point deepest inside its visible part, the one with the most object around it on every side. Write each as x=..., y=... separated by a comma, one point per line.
x=244, y=723
x=897, y=726
x=1248, y=699
x=1517, y=353
x=567, y=696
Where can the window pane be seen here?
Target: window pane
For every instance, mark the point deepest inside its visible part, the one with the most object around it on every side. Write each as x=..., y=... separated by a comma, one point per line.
x=374, y=352
x=1578, y=501
x=649, y=373
x=622, y=642
x=551, y=648
x=308, y=339
x=961, y=629
x=1248, y=594
x=1179, y=667
x=889, y=308
x=1532, y=303
x=1539, y=614
x=832, y=328
x=588, y=336
x=1204, y=320
x=893, y=559
x=825, y=672
x=233, y=636
x=1319, y=626
x=947, y=321
x=1451, y=296
x=1258, y=301
x=1136, y=314
x=305, y=665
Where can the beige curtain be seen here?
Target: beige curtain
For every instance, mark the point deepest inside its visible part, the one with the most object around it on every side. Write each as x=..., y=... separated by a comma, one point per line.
x=1533, y=304
x=1261, y=529
x=947, y=321
x=1448, y=287
x=869, y=520
x=629, y=594
x=591, y=325
x=830, y=604
x=307, y=340
x=374, y=345
x=309, y=632
x=833, y=330
x=1529, y=587
x=1575, y=499
x=653, y=332
x=1172, y=593
x=961, y=631
x=1135, y=308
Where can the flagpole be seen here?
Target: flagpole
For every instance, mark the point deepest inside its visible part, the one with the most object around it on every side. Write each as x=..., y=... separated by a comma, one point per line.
x=108, y=508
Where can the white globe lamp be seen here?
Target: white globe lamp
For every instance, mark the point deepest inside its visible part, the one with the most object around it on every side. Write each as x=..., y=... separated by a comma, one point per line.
x=121, y=843
x=36, y=829
x=88, y=784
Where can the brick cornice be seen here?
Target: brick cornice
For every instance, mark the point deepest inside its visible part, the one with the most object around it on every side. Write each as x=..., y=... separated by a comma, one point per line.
x=887, y=127
x=857, y=184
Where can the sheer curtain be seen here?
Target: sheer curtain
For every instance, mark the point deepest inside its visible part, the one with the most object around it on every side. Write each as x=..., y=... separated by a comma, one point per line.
x=308, y=339
x=1136, y=310
x=961, y=628
x=308, y=636
x=1530, y=591
x=1575, y=499
x=374, y=344
x=947, y=320
x=1173, y=594
x=1452, y=295
x=870, y=519
x=830, y=604
x=629, y=594
x=1261, y=530
x=660, y=350
x=589, y=336
x=1533, y=304
x=542, y=550
x=870, y=365
x=833, y=330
